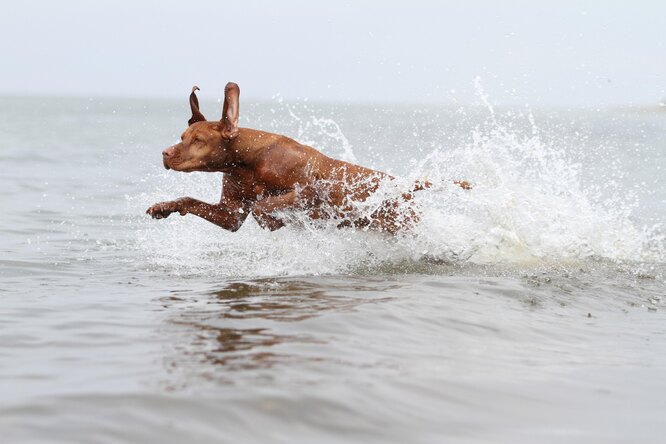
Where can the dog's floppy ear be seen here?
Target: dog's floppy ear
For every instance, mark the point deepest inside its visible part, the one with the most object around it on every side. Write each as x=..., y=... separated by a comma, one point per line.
x=194, y=104
x=230, y=112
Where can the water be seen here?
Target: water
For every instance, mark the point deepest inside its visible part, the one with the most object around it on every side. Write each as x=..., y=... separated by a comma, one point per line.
x=529, y=309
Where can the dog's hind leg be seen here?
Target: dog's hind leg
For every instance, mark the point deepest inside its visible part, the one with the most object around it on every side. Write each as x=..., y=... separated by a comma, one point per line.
x=305, y=198
x=263, y=210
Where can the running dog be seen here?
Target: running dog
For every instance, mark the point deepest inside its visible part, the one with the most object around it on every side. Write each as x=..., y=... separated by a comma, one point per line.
x=267, y=174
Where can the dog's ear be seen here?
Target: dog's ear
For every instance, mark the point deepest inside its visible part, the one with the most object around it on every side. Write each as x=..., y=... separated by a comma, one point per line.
x=230, y=112
x=194, y=104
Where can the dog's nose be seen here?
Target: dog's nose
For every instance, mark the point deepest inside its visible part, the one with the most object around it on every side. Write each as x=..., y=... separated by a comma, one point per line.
x=167, y=152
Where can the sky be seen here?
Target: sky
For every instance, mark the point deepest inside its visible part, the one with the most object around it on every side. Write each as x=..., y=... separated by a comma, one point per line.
x=537, y=53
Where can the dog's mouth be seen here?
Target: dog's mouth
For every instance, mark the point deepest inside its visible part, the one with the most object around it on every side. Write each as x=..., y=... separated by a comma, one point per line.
x=169, y=164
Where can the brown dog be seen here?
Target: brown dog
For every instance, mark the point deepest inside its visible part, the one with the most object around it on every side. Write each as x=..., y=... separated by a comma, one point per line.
x=265, y=173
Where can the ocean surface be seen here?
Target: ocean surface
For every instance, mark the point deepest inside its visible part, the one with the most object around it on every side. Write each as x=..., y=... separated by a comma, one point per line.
x=531, y=308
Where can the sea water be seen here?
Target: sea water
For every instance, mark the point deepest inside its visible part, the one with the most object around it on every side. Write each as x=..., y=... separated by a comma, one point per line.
x=531, y=308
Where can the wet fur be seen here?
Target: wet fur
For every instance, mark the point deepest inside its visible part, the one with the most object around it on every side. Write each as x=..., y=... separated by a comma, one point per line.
x=265, y=174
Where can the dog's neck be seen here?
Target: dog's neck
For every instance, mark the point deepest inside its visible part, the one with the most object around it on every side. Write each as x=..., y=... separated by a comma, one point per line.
x=244, y=150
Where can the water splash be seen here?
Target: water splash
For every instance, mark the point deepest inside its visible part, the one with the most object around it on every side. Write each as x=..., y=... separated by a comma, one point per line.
x=528, y=206
x=485, y=99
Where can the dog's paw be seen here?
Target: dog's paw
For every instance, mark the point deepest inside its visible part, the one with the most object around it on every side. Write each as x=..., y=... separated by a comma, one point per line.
x=160, y=210
x=164, y=209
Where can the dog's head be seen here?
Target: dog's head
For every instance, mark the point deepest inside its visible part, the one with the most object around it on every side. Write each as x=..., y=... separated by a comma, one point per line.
x=203, y=145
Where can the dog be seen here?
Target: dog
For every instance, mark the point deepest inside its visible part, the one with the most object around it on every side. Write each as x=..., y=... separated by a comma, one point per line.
x=268, y=174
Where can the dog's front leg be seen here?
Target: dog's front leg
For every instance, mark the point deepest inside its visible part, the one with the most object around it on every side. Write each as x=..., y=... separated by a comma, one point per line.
x=229, y=215
x=162, y=210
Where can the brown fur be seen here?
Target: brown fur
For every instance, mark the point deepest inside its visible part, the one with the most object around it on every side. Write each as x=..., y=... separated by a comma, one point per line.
x=264, y=173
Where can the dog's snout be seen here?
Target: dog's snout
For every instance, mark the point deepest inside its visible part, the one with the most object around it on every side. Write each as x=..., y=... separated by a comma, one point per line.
x=167, y=155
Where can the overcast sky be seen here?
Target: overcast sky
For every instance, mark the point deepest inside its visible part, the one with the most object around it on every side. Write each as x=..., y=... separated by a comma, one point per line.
x=594, y=53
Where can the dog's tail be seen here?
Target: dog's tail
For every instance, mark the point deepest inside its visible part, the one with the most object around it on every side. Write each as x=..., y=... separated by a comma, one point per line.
x=420, y=185
x=425, y=183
